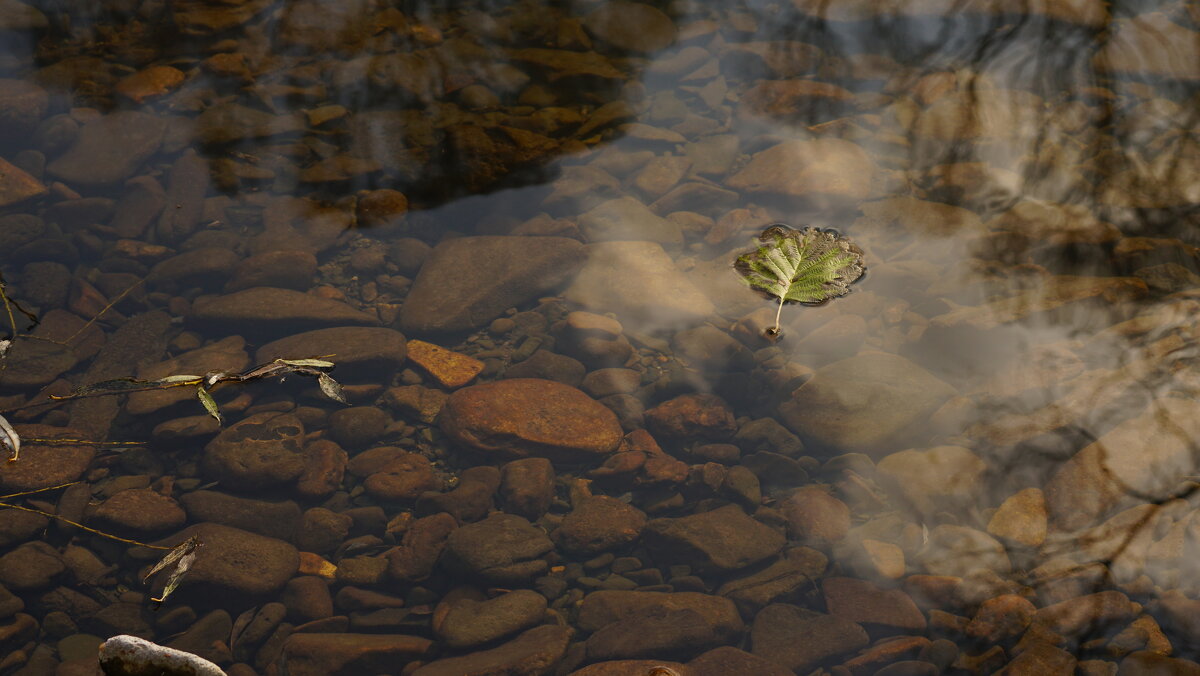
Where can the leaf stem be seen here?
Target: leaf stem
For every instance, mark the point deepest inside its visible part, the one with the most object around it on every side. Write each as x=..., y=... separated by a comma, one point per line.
x=777, y=313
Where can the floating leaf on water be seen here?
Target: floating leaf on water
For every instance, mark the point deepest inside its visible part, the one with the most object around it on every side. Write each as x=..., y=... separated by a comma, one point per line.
x=331, y=388
x=181, y=558
x=4, y=345
x=807, y=266
x=209, y=405
x=10, y=439
x=178, y=379
x=318, y=363
x=263, y=371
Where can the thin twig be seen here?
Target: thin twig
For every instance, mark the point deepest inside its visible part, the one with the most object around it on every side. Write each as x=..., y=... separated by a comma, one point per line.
x=98, y=315
x=79, y=525
x=37, y=490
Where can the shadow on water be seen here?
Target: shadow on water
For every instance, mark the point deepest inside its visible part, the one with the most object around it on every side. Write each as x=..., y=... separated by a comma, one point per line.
x=570, y=448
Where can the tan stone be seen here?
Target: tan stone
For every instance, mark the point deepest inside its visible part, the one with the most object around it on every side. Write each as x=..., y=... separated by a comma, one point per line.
x=826, y=167
x=1143, y=457
x=17, y=186
x=1021, y=518
x=811, y=512
x=314, y=564
x=523, y=417
x=451, y=369
x=943, y=477
x=1001, y=618
x=1054, y=292
x=638, y=282
x=149, y=83
x=1150, y=44
x=886, y=558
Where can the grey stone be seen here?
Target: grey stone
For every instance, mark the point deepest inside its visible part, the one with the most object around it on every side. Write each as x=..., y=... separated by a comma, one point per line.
x=109, y=149
x=640, y=283
x=625, y=218
x=469, y=281
x=871, y=403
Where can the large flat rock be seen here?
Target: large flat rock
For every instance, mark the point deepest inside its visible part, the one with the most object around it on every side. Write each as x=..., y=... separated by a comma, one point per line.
x=828, y=168
x=523, y=417
x=723, y=540
x=109, y=149
x=265, y=310
x=234, y=561
x=469, y=281
x=873, y=403
x=640, y=283
x=1141, y=459
x=360, y=352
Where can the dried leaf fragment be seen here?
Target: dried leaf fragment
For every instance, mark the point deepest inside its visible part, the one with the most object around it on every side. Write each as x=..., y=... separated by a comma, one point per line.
x=10, y=439
x=316, y=363
x=181, y=557
x=331, y=388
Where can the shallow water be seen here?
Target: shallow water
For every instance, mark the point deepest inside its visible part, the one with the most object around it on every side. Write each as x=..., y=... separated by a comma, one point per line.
x=569, y=447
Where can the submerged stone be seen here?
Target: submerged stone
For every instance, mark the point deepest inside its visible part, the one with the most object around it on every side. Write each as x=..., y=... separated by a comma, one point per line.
x=261, y=451
x=366, y=353
x=824, y=168
x=631, y=26
x=871, y=403
x=1140, y=459
x=267, y=310
x=236, y=562
x=536, y=651
x=310, y=654
x=722, y=540
x=109, y=149
x=524, y=417
x=640, y=283
x=17, y=186
x=469, y=281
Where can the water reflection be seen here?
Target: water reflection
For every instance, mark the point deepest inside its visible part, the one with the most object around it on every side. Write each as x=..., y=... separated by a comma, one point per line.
x=982, y=458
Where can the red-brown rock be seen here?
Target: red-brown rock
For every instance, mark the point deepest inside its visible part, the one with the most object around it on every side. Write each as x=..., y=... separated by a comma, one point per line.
x=1001, y=618
x=527, y=486
x=598, y=524
x=420, y=547
x=525, y=417
x=404, y=477
x=692, y=417
x=813, y=514
x=142, y=510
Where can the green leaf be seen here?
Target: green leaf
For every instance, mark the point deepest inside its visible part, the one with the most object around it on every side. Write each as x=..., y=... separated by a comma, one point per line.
x=209, y=404
x=809, y=266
